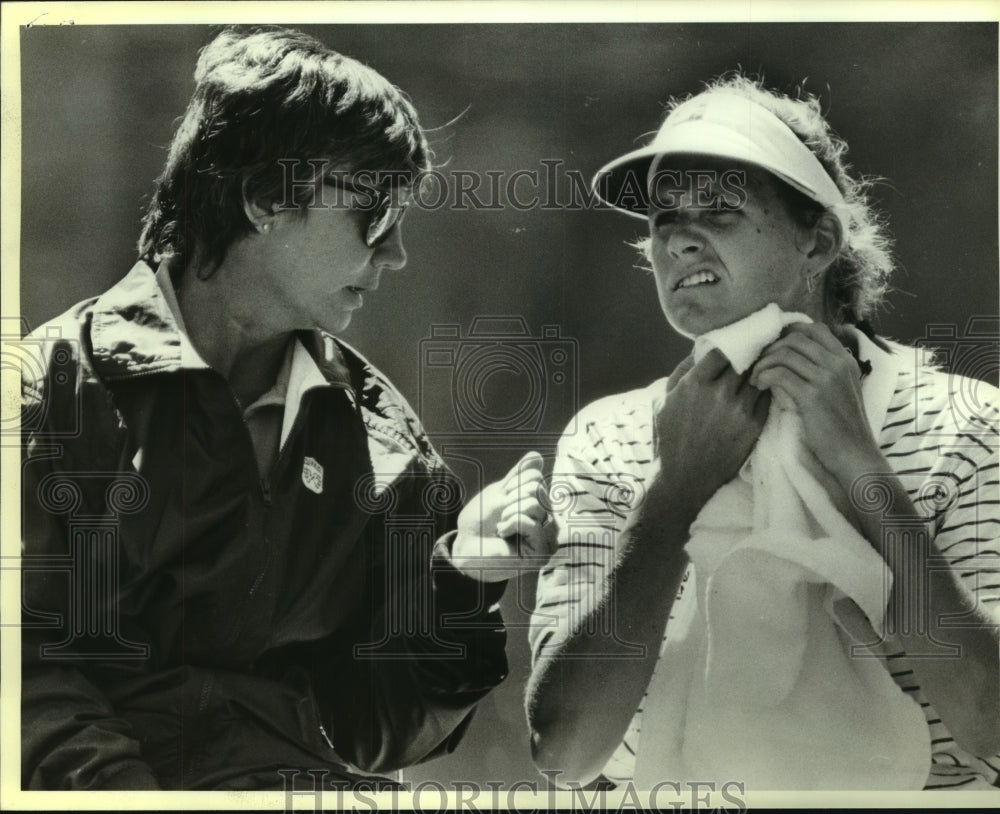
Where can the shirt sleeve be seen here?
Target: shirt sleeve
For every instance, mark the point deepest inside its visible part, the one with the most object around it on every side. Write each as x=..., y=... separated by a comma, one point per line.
x=597, y=480
x=962, y=492
x=71, y=736
x=435, y=647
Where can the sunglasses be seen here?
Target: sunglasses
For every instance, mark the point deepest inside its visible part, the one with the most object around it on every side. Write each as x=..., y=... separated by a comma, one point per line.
x=383, y=213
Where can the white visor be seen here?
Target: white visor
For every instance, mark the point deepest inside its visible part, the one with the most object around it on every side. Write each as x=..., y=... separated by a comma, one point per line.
x=719, y=125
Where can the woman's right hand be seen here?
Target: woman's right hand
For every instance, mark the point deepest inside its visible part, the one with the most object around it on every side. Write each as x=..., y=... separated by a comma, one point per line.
x=706, y=426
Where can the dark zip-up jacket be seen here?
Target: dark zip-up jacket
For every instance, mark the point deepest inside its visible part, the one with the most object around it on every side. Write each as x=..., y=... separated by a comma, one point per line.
x=188, y=624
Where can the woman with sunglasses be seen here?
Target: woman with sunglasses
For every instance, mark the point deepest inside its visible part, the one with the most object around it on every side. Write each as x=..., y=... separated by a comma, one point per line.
x=272, y=595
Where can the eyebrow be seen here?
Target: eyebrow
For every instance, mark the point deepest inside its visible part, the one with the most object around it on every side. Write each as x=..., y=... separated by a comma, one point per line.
x=659, y=216
x=708, y=189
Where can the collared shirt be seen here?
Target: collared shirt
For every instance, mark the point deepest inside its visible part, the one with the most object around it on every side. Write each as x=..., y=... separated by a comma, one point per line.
x=273, y=410
x=239, y=610
x=940, y=435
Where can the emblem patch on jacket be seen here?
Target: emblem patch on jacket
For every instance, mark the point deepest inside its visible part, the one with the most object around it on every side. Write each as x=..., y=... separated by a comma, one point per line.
x=312, y=475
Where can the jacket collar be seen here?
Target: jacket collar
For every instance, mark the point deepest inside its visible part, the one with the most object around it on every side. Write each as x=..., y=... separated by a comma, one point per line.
x=133, y=331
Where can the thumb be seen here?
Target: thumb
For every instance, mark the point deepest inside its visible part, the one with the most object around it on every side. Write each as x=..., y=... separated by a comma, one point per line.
x=686, y=364
x=530, y=460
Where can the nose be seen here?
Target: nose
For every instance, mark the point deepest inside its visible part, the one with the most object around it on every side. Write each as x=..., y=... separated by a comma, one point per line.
x=390, y=253
x=681, y=240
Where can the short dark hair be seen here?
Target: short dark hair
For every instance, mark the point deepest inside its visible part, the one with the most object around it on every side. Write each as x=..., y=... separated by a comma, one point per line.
x=262, y=95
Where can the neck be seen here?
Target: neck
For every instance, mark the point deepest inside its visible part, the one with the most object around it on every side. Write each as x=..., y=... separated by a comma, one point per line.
x=224, y=323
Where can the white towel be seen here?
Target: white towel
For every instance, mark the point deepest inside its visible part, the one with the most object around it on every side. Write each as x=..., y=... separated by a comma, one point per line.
x=743, y=341
x=758, y=683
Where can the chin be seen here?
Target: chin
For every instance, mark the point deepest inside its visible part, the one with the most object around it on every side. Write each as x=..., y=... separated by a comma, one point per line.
x=693, y=325
x=690, y=327
x=692, y=319
x=334, y=326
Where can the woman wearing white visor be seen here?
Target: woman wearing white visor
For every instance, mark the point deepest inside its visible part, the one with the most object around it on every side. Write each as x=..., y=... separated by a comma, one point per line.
x=778, y=567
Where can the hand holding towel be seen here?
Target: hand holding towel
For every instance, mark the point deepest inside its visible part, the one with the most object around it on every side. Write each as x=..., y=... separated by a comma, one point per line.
x=760, y=683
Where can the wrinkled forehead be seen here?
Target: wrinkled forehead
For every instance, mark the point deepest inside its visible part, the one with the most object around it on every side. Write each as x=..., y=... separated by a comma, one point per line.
x=693, y=179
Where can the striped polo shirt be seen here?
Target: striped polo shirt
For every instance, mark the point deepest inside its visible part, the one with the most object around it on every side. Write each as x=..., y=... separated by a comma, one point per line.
x=940, y=435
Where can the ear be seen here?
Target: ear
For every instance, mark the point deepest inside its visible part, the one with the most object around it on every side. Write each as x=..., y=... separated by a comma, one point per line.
x=259, y=213
x=827, y=237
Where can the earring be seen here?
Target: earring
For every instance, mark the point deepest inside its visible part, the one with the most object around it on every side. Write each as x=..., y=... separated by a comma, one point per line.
x=811, y=283
x=266, y=228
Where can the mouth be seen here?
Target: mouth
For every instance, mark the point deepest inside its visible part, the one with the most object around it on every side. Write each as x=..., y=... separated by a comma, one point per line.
x=696, y=278
x=355, y=292
x=373, y=283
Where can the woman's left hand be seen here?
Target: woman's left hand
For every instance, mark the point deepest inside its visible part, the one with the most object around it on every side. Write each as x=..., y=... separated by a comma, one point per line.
x=506, y=530
x=809, y=371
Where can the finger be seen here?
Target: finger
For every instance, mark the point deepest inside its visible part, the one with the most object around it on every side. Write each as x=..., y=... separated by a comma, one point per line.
x=787, y=388
x=527, y=493
x=686, y=364
x=787, y=358
x=748, y=393
x=808, y=345
x=798, y=343
x=524, y=486
x=530, y=462
x=730, y=381
x=762, y=406
x=712, y=365
x=782, y=399
x=779, y=373
x=517, y=503
x=743, y=382
x=518, y=524
x=528, y=508
x=817, y=332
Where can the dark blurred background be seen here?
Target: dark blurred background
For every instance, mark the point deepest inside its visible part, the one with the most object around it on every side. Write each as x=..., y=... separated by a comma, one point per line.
x=916, y=102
